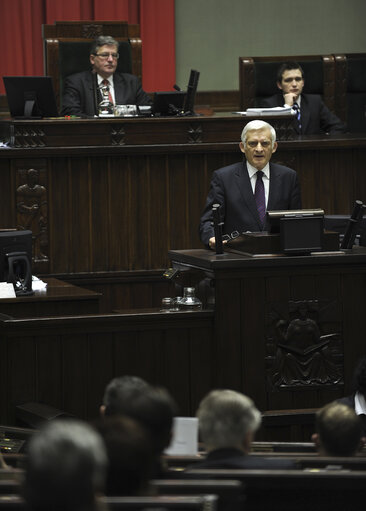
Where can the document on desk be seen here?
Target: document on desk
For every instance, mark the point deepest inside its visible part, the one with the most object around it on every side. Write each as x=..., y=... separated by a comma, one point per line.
x=262, y=112
x=7, y=290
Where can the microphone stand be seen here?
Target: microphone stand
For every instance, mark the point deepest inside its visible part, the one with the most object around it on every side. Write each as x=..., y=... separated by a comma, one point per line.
x=217, y=228
x=353, y=222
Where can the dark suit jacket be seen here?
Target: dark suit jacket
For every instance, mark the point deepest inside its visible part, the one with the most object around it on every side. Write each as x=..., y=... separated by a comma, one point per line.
x=230, y=458
x=350, y=401
x=315, y=116
x=81, y=96
x=231, y=188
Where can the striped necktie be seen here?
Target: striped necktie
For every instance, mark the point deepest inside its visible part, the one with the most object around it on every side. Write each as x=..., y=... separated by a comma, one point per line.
x=106, y=83
x=298, y=115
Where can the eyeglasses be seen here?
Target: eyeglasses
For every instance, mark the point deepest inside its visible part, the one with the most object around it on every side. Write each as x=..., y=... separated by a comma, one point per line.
x=106, y=55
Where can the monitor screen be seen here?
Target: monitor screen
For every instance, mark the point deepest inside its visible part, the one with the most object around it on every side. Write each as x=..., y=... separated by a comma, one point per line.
x=191, y=92
x=168, y=103
x=274, y=217
x=301, y=235
x=30, y=96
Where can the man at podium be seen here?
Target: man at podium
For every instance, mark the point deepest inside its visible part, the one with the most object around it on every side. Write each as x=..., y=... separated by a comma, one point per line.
x=245, y=190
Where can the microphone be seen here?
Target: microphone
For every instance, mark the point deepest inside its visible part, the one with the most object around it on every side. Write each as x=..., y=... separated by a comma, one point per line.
x=217, y=228
x=353, y=222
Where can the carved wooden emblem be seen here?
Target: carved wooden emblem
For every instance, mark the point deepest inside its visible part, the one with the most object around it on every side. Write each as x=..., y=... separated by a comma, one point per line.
x=91, y=31
x=195, y=134
x=32, y=210
x=300, y=349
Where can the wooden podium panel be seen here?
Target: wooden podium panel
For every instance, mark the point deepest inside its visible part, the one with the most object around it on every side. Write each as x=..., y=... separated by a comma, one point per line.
x=288, y=330
x=66, y=361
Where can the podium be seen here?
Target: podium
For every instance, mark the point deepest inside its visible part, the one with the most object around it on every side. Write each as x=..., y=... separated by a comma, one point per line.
x=288, y=331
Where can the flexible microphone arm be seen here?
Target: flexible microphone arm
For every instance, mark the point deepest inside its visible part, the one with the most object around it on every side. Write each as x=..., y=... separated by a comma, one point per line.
x=217, y=228
x=353, y=222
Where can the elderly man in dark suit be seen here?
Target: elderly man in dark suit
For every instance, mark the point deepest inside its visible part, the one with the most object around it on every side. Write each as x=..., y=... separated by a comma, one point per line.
x=313, y=117
x=247, y=189
x=228, y=421
x=82, y=90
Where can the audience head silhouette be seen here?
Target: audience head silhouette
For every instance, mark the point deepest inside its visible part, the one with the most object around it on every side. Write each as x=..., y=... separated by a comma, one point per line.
x=66, y=467
x=129, y=453
x=153, y=407
x=338, y=430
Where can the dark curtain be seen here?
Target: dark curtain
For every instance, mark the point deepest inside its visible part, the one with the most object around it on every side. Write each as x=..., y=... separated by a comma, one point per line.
x=21, y=33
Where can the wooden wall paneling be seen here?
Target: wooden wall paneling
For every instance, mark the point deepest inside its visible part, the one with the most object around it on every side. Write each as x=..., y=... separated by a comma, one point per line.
x=196, y=196
x=75, y=373
x=177, y=367
x=50, y=371
x=22, y=382
x=117, y=203
x=158, y=221
x=178, y=207
x=253, y=336
x=99, y=210
x=59, y=215
x=228, y=341
x=79, y=229
x=139, y=211
x=203, y=363
x=101, y=369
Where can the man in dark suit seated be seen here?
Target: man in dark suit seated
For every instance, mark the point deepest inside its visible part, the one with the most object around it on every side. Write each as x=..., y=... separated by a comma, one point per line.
x=338, y=431
x=312, y=116
x=82, y=90
x=357, y=400
x=228, y=421
x=245, y=190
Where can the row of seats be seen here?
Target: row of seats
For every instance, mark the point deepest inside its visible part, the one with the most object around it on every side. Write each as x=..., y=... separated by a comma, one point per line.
x=240, y=490
x=339, y=79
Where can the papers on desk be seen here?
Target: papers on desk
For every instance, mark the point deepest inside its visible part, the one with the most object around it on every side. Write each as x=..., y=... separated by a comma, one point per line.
x=7, y=290
x=262, y=112
x=37, y=284
x=185, y=437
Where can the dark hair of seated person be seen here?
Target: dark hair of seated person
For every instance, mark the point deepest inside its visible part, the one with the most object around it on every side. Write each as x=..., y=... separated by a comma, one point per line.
x=130, y=456
x=152, y=406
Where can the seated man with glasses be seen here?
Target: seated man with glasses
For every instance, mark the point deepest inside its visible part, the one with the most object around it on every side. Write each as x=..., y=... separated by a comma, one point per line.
x=82, y=94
